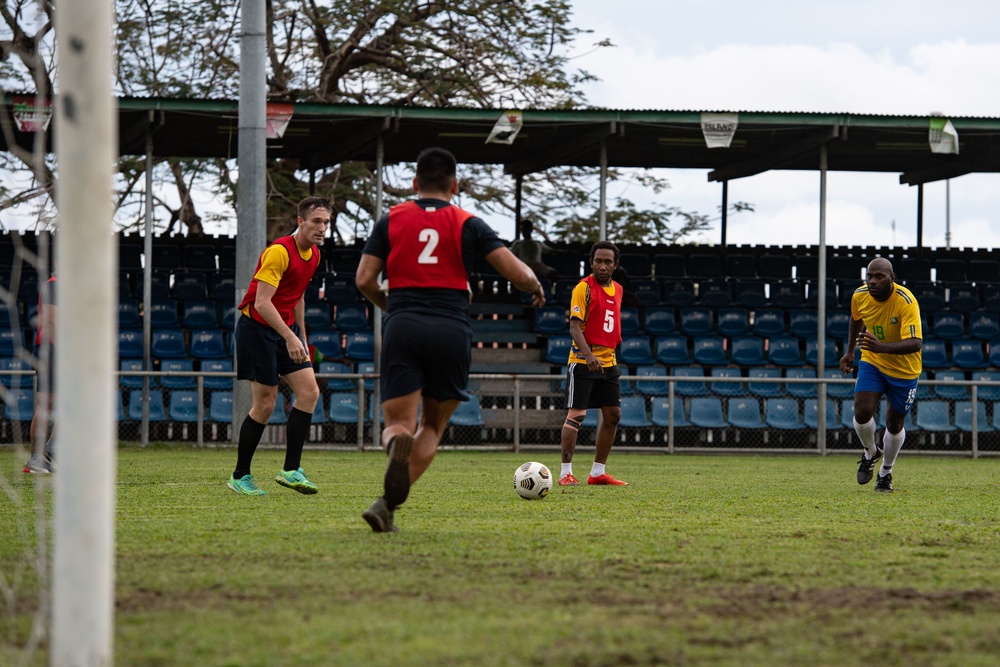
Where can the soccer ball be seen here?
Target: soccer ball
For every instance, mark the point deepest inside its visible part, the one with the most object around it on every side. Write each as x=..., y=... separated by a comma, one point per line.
x=532, y=480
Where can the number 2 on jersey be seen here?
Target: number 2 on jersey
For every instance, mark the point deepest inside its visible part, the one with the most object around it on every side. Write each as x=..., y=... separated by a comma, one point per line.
x=429, y=237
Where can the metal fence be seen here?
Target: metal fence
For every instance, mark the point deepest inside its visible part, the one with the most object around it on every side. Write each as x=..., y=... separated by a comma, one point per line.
x=513, y=412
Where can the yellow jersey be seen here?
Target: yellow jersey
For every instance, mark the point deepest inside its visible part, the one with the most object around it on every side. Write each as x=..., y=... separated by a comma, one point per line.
x=579, y=302
x=895, y=319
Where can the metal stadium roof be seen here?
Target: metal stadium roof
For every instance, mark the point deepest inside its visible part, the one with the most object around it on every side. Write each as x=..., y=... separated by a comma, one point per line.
x=324, y=135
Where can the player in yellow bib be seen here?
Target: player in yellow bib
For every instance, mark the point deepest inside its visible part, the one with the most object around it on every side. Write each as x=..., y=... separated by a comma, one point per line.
x=885, y=324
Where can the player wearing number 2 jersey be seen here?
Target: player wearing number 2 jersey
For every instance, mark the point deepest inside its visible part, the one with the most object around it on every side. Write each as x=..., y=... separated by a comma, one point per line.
x=592, y=377
x=426, y=249
x=885, y=324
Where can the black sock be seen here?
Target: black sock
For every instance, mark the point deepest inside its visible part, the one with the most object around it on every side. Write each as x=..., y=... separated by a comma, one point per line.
x=297, y=430
x=250, y=435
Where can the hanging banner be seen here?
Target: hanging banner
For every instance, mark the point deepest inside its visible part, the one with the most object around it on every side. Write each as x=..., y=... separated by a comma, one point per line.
x=29, y=115
x=943, y=137
x=278, y=117
x=719, y=128
x=505, y=130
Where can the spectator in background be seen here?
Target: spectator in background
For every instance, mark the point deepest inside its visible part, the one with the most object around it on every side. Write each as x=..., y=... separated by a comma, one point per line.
x=270, y=344
x=530, y=251
x=41, y=459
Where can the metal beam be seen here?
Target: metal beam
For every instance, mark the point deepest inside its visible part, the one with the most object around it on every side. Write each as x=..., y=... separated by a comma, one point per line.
x=774, y=159
x=563, y=153
x=939, y=172
x=349, y=148
x=134, y=135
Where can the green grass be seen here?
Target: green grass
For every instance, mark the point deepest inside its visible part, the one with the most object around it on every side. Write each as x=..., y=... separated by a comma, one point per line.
x=730, y=560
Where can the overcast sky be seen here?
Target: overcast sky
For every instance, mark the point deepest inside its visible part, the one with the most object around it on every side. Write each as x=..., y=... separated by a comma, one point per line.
x=876, y=57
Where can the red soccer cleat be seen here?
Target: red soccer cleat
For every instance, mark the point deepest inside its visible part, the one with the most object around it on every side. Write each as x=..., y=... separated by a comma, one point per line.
x=605, y=480
x=569, y=480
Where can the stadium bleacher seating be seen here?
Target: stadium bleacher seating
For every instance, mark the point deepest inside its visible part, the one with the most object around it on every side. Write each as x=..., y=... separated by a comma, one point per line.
x=707, y=413
x=660, y=413
x=710, y=351
x=765, y=389
x=747, y=351
x=727, y=388
x=963, y=417
x=810, y=414
x=783, y=414
x=745, y=413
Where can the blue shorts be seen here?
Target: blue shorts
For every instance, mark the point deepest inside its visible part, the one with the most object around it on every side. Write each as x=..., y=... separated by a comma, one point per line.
x=899, y=392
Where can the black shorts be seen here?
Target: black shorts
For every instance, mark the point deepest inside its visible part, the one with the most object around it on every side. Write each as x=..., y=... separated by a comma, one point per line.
x=429, y=353
x=47, y=382
x=262, y=354
x=592, y=389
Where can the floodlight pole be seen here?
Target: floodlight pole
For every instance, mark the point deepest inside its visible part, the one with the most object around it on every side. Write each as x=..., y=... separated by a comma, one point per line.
x=821, y=306
x=251, y=187
x=83, y=571
x=602, y=214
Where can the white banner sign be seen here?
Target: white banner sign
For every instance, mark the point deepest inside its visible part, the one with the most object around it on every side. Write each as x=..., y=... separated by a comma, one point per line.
x=29, y=116
x=719, y=128
x=278, y=117
x=505, y=130
x=943, y=137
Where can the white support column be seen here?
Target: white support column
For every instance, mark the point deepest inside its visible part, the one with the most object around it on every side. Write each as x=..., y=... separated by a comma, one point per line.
x=86, y=148
x=602, y=214
x=821, y=307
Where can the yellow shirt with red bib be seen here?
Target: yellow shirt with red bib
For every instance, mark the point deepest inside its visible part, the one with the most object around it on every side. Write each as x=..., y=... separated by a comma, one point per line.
x=286, y=268
x=599, y=308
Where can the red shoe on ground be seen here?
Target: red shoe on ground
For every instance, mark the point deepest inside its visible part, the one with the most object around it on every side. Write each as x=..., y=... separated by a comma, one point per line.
x=605, y=480
x=569, y=480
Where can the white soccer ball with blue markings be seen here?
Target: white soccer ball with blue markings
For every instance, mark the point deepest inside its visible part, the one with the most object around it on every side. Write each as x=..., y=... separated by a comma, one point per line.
x=532, y=480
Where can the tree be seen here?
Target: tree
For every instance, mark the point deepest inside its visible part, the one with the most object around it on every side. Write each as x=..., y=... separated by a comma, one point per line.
x=472, y=53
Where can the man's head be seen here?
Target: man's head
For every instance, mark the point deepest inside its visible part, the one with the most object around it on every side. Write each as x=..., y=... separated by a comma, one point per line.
x=436, y=172
x=604, y=260
x=880, y=278
x=313, y=221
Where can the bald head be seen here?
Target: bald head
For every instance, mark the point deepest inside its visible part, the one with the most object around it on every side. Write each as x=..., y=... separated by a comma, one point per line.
x=880, y=265
x=880, y=278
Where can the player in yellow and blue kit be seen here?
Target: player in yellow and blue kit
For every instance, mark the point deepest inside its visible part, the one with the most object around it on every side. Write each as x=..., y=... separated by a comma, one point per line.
x=885, y=323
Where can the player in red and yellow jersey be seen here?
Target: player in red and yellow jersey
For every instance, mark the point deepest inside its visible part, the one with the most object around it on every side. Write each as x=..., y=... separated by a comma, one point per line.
x=885, y=324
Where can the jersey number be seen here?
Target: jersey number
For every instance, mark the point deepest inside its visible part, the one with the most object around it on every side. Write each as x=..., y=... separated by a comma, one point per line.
x=430, y=238
x=609, y=321
x=879, y=332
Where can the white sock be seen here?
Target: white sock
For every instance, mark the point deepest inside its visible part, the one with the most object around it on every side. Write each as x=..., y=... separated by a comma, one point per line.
x=892, y=444
x=567, y=469
x=597, y=470
x=866, y=432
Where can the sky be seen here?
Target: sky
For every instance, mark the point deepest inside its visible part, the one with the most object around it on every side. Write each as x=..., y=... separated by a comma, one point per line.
x=872, y=57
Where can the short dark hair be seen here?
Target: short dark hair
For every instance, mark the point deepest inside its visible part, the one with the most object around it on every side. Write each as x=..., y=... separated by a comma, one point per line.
x=604, y=245
x=307, y=205
x=436, y=169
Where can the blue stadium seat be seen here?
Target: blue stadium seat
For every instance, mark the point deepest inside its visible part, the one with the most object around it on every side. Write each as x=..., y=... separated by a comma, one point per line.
x=344, y=407
x=228, y=315
x=189, y=285
x=745, y=413
x=217, y=366
x=802, y=323
x=552, y=320
x=199, y=257
x=660, y=321
x=798, y=389
x=710, y=351
x=740, y=265
x=847, y=414
x=987, y=393
x=128, y=314
x=924, y=390
x=765, y=389
x=715, y=293
x=991, y=298
x=696, y=321
x=703, y=265
x=159, y=285
x=933, y=416
x=690, y=387
x=352, y=317
x=208, y=344
x=786, y=294
x=963, y=417
x=343, y=260
x=775, y=267
x=652, y=388
x=963, y=298
x=337, y=384
x=727, y=388
x=950, y=391
x=634, y=413
x=468, y=413
x=784, y=351
x=636, y=351
x=327, y=342
x=222, y=286
x=984, y=271
x=557, y=349
x=163, y=314
x=157, y=411
x=660, y=412
x=747, y=351
x=669, y=265
x=132, y=381
x=168, y=344
x=968, y=353
x=280, y=413
x=646, y=291
x=562, y=290
x=20, y=404
x=783, y=414
x=838, y=323
x=15, y=364
x=635, y=264
x=948, y=325
x=769, y=322
x=317, y=316
x=177, y=381
x=631, y=323
x=994, y=358
x=183, y=406
x=984, y=325
x=839, y=389
x=929, y=296
x=340, y=289
x=830, y=352
x=832, y=294
x=934, y=353
x=707, y=413
x=672, y=350
x=733, y=322
x=220, y=406
x=359, y=345
x=199, y=314
x=750, y=292
x=811, y=414
x=678, y=292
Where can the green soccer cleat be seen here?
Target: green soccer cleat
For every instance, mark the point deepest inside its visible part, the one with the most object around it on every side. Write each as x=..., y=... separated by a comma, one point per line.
x=245, y=486
x=297, y=481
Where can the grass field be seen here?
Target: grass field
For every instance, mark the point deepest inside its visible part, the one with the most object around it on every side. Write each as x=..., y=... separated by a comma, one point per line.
x=728, y=560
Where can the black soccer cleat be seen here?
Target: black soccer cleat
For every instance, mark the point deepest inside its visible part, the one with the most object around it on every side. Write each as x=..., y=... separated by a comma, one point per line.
x=379, y=517
x=866, y=465
x=884, y=484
